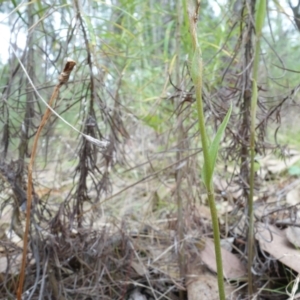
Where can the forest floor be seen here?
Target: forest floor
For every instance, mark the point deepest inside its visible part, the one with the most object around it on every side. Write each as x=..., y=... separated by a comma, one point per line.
x=128, y=247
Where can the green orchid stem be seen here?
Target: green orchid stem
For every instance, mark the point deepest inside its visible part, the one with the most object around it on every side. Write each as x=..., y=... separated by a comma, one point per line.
x=216, y=231
x=210, y=190
x=210, y=150
x=260, y=16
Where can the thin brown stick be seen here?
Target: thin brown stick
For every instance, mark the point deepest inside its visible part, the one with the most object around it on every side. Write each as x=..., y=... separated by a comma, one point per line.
x=63, y=78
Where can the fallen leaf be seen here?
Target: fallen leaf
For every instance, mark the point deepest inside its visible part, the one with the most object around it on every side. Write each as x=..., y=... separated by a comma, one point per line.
x=274, y=241
x=202, y=211
x=277, y=166
x=293, y=196
x=202, y=284
x=293, y=235
x=231, y=190
x=227, y=243
x=233, y=268
x=14, y=264
x=139, y=268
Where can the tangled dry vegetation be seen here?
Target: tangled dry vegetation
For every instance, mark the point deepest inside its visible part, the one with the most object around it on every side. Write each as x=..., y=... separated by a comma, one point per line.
x=105, y=225
x=130, y=221
x=127, y=245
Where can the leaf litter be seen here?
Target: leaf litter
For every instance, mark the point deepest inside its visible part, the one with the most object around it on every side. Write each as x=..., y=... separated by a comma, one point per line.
x=134, y=254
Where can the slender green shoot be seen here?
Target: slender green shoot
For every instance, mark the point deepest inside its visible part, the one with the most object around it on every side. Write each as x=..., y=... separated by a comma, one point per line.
x=210, y=151
x=260, y=16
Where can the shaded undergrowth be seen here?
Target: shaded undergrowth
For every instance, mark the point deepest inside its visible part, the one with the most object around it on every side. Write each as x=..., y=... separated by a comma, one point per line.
x=104, y=222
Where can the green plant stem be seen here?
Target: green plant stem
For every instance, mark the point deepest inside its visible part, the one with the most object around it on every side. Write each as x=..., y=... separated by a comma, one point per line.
x=216, y=231
x=210, y=191
x=209, y=158
x=260, y=15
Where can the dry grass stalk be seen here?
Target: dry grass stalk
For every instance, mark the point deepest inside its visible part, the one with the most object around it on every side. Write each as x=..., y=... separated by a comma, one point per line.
x=63, y=78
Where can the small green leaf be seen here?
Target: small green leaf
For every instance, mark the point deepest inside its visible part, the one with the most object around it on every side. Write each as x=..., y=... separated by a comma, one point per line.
x=209, y=166
x=154, y=121
x=294, y=170
x=256, y=165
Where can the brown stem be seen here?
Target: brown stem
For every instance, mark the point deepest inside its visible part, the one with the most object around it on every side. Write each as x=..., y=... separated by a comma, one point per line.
x=63, y=78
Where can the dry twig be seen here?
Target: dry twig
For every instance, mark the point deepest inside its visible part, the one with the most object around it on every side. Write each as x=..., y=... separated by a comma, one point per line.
x=63, y=78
